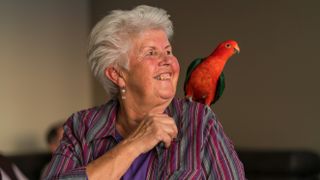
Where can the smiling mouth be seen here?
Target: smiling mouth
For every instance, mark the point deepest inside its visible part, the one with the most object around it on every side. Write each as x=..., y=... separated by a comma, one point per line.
x=163, y=76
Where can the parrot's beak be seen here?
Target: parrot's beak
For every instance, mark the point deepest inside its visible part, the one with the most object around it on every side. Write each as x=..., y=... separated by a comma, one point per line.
x=236, y=49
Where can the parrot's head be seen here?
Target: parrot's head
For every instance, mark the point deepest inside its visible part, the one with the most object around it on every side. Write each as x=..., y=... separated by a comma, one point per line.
x=228, y=48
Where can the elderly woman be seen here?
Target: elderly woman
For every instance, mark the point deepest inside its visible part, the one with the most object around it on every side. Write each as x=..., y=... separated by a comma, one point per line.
x=142, y=132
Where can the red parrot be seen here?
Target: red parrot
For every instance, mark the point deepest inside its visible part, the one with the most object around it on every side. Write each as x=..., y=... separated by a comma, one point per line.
x=205, y=80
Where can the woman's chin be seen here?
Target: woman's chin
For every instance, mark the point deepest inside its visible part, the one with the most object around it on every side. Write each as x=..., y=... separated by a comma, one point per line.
x=166, y=92
x=167, y=95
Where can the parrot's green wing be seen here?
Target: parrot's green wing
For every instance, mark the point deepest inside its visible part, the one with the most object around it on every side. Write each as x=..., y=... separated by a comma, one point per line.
x=220, y=87
x=191, y=67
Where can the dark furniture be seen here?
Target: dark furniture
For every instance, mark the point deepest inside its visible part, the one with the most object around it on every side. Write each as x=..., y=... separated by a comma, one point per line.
x=280, y=165
x=259, y=164
x=31, y=164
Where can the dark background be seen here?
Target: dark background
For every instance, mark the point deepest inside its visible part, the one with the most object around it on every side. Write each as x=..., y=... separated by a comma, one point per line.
x=272, y=87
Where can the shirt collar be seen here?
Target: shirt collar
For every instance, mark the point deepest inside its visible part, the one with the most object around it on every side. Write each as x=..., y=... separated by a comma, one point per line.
x=106, y=122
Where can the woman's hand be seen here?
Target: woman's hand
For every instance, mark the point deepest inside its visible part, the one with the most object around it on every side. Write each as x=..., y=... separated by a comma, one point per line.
x=153, y=129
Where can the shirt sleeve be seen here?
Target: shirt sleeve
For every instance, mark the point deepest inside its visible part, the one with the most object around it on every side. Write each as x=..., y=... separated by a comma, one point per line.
x=67, y=161
x=219, y=158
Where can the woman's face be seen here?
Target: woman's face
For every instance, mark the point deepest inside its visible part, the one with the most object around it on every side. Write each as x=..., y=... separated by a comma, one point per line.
x=153, y=69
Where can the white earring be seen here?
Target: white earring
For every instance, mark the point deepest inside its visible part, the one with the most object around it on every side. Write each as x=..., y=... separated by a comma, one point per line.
x=123, y=92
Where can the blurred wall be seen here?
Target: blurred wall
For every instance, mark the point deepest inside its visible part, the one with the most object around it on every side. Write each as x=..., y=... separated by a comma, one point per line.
x=271, y=97
x=272, y=91
x=43, y=70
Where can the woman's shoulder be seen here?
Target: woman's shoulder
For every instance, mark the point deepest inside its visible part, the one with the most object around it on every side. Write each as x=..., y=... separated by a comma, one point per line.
x=185, y=104
x=190, y=110
x=89, y=114
x=192, y=117
x=96, y=109
x=82, y=121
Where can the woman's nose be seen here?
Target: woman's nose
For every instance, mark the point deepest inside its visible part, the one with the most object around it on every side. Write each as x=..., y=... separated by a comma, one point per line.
x=165, y=60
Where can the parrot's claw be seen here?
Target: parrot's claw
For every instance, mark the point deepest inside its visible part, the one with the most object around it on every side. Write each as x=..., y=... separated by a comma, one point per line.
x=189, y=98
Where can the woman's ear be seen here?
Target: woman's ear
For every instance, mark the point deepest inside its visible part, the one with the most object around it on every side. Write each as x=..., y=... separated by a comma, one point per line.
x=115, y=76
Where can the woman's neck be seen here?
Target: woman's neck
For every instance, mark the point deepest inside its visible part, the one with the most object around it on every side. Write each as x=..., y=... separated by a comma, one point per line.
x=131, y=114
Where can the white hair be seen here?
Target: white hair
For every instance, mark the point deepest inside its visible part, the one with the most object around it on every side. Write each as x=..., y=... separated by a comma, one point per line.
x=110, y=39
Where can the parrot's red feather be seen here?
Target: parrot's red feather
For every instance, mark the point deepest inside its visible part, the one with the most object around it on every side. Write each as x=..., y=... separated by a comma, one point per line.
x=202, y=84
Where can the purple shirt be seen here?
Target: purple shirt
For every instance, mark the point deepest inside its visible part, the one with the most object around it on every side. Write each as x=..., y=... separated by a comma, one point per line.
x=200, y=151
x=139, y=167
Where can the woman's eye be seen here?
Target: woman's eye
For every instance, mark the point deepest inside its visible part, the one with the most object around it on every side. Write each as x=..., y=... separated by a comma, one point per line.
x=151, y=53
x=169, y=52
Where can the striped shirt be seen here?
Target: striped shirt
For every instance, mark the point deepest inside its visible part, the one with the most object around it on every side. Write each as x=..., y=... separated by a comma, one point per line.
x=200, y=151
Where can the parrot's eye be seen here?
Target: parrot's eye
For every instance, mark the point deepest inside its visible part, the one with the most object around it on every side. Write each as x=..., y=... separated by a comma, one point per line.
x=228, y=45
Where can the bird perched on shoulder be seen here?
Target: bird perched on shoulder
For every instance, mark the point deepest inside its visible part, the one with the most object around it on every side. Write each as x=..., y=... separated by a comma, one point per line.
x=205, y=80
